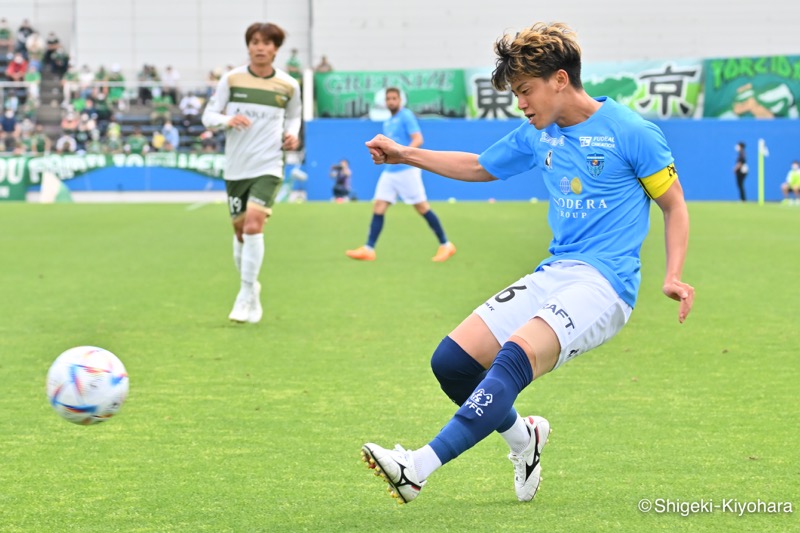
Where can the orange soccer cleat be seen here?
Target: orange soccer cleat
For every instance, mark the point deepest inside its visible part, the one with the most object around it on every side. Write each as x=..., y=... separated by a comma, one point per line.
x=362, y=254
x=445, y=252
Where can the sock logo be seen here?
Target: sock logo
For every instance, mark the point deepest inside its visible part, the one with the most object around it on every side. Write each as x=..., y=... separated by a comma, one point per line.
x=478, y=400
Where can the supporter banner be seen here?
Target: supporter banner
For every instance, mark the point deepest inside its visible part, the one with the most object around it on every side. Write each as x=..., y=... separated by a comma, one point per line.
x=486, y=102
x=429, y=93
x=13, y=179
x=759, y=87
x=17, y=173
x=654, y=89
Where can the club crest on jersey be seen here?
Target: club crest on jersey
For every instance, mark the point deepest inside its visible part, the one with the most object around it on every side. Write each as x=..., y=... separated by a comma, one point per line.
x=548, y=160
x=595, y=163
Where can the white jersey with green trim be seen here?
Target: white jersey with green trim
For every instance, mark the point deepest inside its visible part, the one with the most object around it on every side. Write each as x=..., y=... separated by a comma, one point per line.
x=273, y=106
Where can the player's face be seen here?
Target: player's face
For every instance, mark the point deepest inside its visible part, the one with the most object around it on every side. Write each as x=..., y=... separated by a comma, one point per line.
x=393, y=101
x=262, y=53
x=537, y=99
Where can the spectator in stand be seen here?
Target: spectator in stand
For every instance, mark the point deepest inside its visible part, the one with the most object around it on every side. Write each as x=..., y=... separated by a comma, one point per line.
x=190, y=107
x=33, y=78
x=59, y=62
x=70, y=84
x=212, y=81
x=12, y=102
x=90, y=109
x=26, y=126
x=172, y=137
x=51, y=45
x=30, y=108
x=294, y=67
x=145, y=79
x=10, y=128
x=101, y=79
x=114, y=143
x=323, y=65
x=157, y=141
x=17, y=67
x=208, y=142
x=101, y=107
x=116, y=83
x=136, y=143
x=23, y=144
x=66, y=144
x=36, y=49
x=85, y=81
x=40, y=142
x=6, y=44
x=162, y=109
x=85, y=127
x=23, y=32
x=95, y=145
x=70, y=122
x=169, y=84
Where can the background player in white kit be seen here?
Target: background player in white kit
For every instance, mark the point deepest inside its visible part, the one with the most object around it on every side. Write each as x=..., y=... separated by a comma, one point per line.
x=259, y=107
x=403, y=181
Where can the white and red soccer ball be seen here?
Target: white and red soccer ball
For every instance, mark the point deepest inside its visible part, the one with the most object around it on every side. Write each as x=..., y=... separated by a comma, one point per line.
x=87, y=385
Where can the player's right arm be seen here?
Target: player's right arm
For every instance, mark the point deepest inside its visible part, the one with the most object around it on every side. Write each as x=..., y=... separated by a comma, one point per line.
x=462, y=166
x=214, y=117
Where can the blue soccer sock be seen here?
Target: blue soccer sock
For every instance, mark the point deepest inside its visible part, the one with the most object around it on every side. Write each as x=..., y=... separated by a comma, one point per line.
x=487, y=406
x=459, y=375
x=375, y=228
x=436, y=226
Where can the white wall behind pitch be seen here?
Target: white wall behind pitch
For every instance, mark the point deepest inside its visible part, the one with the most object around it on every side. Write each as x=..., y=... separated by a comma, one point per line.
x=199, y=35
x=195, y=36
x=386, y=35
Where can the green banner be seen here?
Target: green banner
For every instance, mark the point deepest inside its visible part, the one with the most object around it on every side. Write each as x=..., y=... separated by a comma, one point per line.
x=17, y=173
x=13, y=179
x=656, y=90
x=428, y=93
x=752, y=87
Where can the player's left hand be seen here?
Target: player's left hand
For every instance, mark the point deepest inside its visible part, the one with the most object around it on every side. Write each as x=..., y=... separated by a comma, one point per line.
x=680, y=292
x=290, y=142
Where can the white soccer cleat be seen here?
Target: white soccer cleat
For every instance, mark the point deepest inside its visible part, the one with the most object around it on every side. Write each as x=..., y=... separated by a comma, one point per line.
x=527, y=467
x=241, y=308
x=396, y=467
x=256, y=311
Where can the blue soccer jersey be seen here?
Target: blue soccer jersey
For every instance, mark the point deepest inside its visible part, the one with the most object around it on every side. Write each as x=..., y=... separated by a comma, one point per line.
x=600, y=174
x=399, y=129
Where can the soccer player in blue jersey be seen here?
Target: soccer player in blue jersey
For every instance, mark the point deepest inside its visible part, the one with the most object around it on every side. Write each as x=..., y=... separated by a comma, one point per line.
x=403, y=181
x=602, y=165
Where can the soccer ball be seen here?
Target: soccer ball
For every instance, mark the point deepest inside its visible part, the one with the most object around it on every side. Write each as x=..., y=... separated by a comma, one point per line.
x=87, y=385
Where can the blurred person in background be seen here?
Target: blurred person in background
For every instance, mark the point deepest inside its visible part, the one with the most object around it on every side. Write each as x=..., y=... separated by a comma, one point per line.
x=792, y=183
x=401, y=181
x=740, y=169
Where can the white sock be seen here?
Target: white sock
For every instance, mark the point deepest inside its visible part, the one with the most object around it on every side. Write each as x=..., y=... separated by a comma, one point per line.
x=237, y=254
x=425, y=461
x=252, y=257
x=517, y=436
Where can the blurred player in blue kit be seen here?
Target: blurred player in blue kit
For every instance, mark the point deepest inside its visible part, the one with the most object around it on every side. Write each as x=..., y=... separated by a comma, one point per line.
x=602, y=165
x=403, y=181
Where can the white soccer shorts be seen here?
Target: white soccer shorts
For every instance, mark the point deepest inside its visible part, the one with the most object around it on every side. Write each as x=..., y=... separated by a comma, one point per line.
x=407, y=184
x=571, y=296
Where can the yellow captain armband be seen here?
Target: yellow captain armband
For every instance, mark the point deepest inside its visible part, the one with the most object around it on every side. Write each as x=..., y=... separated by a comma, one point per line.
x=657, y=184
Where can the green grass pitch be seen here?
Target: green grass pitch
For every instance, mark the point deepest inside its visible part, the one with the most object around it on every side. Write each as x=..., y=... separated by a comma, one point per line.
x=239, y=428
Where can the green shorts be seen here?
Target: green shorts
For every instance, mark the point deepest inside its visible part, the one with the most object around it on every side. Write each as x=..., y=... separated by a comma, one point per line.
x=260, y=192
